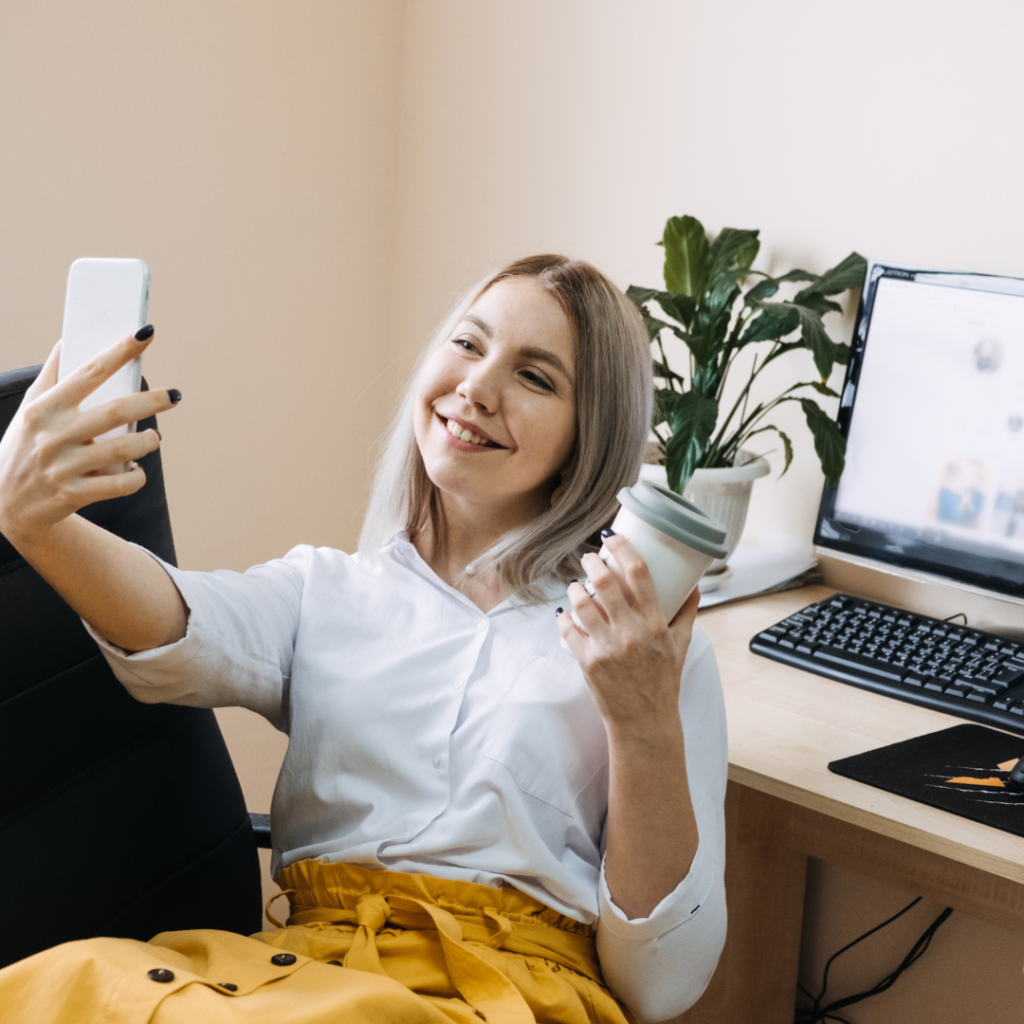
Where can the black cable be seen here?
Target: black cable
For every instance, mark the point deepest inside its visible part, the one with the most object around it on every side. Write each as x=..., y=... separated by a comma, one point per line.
x=957, y=615
x=828, y=966
x=817, y=1013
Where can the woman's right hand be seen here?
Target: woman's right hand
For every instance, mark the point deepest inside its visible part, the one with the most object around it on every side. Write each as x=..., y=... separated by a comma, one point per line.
x=50, y=466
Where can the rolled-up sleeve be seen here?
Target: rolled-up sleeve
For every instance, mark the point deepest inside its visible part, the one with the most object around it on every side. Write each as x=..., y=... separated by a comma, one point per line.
x=238, y=646
x=659, y=965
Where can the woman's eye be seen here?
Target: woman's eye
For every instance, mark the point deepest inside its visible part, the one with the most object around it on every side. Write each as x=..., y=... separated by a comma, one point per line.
x=535, y=378
x=466, y=344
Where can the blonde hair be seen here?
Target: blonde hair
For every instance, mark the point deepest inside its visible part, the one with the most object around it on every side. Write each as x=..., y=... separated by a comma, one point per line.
x=614, y=393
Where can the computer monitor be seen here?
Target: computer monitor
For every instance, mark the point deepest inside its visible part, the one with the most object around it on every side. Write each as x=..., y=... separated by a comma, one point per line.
x=933, y=414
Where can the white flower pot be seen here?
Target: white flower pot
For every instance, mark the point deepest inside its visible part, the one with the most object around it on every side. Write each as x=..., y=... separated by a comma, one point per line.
x=722, y=493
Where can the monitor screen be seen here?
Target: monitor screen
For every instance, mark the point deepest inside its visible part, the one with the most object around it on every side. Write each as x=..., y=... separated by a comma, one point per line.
x=933, y=415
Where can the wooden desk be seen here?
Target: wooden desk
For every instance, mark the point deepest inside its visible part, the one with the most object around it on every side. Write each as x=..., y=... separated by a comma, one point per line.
x=783, y=805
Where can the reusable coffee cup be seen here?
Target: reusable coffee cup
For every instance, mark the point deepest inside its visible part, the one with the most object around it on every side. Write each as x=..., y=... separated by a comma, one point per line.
x=675, y=538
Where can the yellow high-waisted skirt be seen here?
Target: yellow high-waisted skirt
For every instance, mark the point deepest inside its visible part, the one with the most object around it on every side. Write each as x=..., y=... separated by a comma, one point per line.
x=359, y=946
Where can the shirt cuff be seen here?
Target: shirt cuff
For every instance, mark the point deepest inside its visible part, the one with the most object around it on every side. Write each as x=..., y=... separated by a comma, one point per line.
x=676, y=908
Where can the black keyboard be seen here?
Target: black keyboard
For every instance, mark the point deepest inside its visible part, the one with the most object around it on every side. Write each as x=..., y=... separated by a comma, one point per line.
x=936, y=664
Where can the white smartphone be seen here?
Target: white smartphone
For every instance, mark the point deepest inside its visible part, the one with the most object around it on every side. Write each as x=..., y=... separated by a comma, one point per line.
x=106, y=299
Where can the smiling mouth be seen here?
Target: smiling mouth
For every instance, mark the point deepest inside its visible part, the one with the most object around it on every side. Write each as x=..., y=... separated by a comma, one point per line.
x=462, y=434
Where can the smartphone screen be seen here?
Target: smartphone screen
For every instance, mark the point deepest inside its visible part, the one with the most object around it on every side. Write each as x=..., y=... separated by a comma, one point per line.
x=106, y=299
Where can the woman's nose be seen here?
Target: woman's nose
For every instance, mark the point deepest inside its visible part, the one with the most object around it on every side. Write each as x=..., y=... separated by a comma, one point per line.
x=479, y=387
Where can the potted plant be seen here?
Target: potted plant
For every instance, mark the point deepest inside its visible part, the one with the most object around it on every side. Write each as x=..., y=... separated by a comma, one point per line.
x=701, y=441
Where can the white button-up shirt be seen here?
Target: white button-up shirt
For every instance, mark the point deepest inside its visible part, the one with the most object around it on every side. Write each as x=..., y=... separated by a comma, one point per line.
x=427, y=736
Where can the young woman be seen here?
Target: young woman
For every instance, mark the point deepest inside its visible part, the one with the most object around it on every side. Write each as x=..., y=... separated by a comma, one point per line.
x=470, y=822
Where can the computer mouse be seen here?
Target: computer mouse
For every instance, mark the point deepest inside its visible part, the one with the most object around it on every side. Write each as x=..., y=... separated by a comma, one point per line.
x=1015, y=779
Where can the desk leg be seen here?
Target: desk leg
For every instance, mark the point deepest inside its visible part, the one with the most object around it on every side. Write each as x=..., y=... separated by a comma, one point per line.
x=764, y=883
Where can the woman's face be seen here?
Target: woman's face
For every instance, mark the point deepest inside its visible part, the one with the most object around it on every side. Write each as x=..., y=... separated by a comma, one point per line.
x=495, y=415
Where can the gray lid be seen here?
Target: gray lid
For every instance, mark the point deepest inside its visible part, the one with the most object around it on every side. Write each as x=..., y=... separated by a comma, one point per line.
x=675, y=516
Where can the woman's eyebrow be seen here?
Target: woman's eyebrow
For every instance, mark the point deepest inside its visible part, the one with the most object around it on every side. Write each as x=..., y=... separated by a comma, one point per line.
x=482, y=324
x=543, y=355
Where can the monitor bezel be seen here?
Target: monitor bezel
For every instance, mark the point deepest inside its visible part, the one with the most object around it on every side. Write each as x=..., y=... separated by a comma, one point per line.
x=987, y=575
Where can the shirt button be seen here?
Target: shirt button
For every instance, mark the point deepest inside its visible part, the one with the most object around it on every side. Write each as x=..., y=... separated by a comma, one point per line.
x=460, y=682
x=283, y=960
x=437, y=762
x=161, y=974
x=481, y=626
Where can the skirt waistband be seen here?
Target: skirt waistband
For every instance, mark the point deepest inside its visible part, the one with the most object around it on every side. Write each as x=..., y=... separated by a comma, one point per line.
x=348, y=894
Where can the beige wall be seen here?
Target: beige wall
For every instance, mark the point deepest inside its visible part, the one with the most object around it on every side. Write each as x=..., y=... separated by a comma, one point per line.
x=246, y=150
x=312, y=183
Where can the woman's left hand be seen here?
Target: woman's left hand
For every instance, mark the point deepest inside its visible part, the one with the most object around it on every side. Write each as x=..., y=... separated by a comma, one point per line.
x=631, y=657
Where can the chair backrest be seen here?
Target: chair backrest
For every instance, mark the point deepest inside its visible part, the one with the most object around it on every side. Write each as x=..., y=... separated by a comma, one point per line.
x=116, y=817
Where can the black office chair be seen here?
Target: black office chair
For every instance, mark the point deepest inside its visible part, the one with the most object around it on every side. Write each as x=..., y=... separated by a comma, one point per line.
x=116, y=818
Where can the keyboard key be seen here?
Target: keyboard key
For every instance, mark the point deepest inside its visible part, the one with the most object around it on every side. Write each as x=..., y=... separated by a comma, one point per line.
x=980, y=686
x=979, y=698
x=785, y=641
x=849, y=659
x=1009, y=674
x=1017, y=709
x=956, y=691
x=768, y=637
x=933, y=686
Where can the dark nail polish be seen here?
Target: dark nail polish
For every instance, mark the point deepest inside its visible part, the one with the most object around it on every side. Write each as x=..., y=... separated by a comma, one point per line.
x=558, y=611
x=144, y=333
x=571, y=582
x=608, y=532
x=158, y=434
x=174, y=395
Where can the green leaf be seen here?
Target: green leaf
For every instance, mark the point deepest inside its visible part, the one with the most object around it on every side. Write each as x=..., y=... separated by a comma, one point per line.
x=734, y=247
x=847, y=274
x=841, y=353
x=654, y=325
x=829, y=443
x=665, y=402
x=679, y=307
x=822, y=389
x=640, y=295
x=692, y=423
x=686, y=256
x=787, y=445
x=770, y=285
x=665, y=372
x=762, y=290
x=820, y=304
x=814, y=336
x=776, y=320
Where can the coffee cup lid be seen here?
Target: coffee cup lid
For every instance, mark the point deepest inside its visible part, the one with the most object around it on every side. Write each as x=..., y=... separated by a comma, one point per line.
x=674, y=515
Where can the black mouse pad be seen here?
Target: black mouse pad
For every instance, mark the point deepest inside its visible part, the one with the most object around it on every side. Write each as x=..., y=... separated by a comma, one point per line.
x=962, y=770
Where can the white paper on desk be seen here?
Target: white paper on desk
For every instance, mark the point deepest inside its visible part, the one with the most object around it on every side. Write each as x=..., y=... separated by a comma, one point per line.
x=756, y=570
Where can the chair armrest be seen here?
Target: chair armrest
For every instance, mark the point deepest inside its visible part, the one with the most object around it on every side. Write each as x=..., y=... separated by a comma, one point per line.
x=261, y=829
